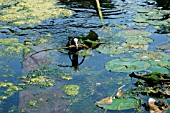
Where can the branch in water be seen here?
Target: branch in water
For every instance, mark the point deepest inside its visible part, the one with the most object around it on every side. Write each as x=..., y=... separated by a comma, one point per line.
x=69, y=47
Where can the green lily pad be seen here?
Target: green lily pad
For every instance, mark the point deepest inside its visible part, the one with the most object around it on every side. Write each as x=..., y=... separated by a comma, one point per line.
x=140, y=18
x=120, y=104
x=121, y=26
x=157, y=23
x=161, y=66
x=159, y=69
x=142, y=24
x=131, y=33
x=143, y=10
x=139, y=40
x=126, y=65
x=112, y=49
x=92, y=44
x=164, y=47
x=153, y=55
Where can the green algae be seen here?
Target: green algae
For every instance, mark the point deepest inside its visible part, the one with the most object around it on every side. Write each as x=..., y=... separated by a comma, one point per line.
x=41, y=80
x=71, y=90
x=32, y=12
x=32, y=103
x=12, y=47
x=5, y=84
x=65, y=77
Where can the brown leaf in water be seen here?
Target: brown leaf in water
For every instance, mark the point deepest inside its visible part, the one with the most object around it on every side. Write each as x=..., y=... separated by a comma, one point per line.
x=153, y=108
x=107, y=100
x=119, y=93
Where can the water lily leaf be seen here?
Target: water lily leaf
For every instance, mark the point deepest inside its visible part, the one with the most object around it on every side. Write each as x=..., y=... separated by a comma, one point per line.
x=161, y=66
x=164, y=47
x=142, y=24
x=143, y=10
x=157, y=23
x=142, y=46
x=121, y=26
x=139, y=42
x=159, y=69
x=140, y=18
x=153, y=55
x=126, y=65
x=131, y=33
x=112, y=49
x=92, y=44
x=120, y=104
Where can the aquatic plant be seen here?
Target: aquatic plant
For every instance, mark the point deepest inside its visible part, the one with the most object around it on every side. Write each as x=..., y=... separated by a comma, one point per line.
x=31, y=12
x=126, y=65
x=71, y=90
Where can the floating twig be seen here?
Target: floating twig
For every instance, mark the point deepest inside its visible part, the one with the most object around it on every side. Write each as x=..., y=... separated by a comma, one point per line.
x=69, y=47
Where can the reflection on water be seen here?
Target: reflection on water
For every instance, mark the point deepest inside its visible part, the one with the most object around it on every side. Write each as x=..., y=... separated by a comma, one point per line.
x=165, y=4
x=96, y=82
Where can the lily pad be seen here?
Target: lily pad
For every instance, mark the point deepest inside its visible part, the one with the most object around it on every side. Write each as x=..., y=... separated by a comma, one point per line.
x=131, y=33
x=143, y=10
x=161, y=66
x=112, y=49
x=163, y=47
x=120, y=104
x=126, y=65
x=157, y=23
x=139, y=42
x=153, y=55
x=140, y=18
x=142, y=24
x=159, y=69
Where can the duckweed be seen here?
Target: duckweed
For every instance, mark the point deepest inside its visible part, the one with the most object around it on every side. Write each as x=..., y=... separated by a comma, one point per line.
x=32, y=11
x=32, y=103
x=5, y=84
x=65, y=77
x=71, y=90
x=41, y=80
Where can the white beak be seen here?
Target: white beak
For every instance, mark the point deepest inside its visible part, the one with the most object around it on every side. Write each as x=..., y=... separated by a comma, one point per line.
x=76, y=42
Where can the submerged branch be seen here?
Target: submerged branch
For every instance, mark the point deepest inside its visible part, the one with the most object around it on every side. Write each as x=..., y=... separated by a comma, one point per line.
x=69, y=47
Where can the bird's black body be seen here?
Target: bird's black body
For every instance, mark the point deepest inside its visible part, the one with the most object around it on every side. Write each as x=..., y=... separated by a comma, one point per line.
x=73, y=41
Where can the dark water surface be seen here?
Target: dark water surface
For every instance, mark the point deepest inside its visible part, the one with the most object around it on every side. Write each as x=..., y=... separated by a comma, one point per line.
x=94, y=81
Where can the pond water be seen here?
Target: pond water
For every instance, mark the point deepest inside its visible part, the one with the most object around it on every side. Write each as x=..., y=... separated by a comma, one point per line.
x=38, y=83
